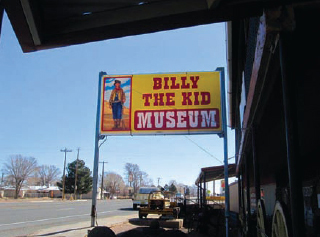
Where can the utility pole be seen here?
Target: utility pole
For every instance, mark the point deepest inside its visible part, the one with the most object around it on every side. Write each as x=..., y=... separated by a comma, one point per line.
x=101, y=194
x=158, y=181
x=76, y=176
x=64, y=170
x=2, y=179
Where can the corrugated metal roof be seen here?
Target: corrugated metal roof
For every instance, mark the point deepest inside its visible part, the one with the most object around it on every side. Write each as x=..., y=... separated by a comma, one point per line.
x=214, y=173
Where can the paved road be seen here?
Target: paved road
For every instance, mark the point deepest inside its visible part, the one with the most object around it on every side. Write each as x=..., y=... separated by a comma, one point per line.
x=24, y=218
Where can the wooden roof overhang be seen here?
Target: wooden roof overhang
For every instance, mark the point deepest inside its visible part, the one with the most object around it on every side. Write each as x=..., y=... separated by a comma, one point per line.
x=212, y=173
x=45, y=24
x=262, y=77
x=272, y=22
x=236, y=48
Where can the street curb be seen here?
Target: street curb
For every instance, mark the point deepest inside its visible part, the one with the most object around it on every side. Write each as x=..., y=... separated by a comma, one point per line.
x=73, y=230
x=120, y=223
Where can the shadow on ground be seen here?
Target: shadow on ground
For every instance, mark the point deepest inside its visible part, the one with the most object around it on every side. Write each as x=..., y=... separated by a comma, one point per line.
x=62, y=231
x=127, y=209
x=147, y=231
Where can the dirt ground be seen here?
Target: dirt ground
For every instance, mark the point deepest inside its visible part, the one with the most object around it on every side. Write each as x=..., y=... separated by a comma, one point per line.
x=129, y=230
x=6, y=199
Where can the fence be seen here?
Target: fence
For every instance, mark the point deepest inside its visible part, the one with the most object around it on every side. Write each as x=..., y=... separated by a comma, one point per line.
x=36, y=195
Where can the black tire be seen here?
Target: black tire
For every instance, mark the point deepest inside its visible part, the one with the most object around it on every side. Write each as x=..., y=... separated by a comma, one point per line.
x=135, y=206
x=101, y=231
x=282, y=223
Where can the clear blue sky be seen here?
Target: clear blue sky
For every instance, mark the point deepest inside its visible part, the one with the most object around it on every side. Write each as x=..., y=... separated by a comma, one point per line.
x=48, y=100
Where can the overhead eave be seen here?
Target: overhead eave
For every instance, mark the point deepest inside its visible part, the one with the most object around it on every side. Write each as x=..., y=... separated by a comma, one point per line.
x=230, y=74
x=26, y=8
x=36, y=31
x=262, y=75
x=20, y=25
x=212, y=173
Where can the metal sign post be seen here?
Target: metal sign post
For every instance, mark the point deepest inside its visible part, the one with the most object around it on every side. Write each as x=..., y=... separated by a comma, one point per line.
x=225, y=146
x=96, y=156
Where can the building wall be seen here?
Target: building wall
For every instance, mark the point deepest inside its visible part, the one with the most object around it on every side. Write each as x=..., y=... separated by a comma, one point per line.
x=234, y=197
x=269, y=197
x=9, y=193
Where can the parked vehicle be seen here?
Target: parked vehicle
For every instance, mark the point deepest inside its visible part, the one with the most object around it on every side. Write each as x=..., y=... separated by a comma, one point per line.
x=158, y=204
x=141, y=198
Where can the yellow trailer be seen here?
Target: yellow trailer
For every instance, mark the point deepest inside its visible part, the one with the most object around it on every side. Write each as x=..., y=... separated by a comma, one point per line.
x=158, y=204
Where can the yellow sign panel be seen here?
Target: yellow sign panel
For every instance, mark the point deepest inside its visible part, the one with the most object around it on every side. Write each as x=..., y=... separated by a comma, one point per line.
x=173, y=103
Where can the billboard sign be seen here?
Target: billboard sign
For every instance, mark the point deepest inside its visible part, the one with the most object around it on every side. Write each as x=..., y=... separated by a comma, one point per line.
x=171, y=103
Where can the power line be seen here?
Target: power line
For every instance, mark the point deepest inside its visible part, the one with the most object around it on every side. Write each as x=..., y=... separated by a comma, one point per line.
x=204, y=150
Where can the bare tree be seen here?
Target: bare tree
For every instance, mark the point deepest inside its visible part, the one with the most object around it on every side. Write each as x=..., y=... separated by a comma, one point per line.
x=172, y=181
x=136, y=178
x=193, y=190
x=47, y=174
x=114, y=183
x=145, y=179
x=181, y=187
x=133, y=171
x=19, y=168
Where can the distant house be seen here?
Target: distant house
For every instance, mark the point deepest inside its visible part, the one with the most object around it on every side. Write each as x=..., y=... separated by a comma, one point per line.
x=10, y=192
x=31, y=192
x=44, y=191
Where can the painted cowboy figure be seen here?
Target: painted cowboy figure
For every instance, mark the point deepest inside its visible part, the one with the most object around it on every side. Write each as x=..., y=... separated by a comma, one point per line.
x=116, y=101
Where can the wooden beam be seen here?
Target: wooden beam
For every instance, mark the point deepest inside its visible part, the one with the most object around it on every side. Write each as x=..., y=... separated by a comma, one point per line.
x=77, y=31
x=267, y=39
x=213, y=3
x=147, y=26
x=31, y=21
x=67, y=8
x=1, y=16
x=125, y=15
x=19, y=23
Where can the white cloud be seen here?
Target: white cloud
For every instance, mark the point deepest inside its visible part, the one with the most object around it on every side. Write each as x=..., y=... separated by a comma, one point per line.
x=110, y=82
x=124, y=80
x=126, y=88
